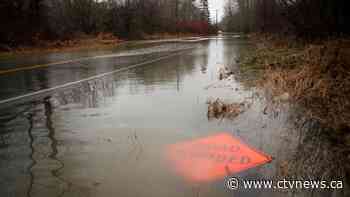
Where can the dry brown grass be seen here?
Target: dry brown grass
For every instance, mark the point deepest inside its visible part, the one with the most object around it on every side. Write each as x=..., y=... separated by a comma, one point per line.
x=79, y=42
x=317, y=76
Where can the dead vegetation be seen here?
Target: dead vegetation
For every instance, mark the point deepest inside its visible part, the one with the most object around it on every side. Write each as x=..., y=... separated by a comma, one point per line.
x=78, y=42
x=218, y=109
x=224, y=72
x=316, y=76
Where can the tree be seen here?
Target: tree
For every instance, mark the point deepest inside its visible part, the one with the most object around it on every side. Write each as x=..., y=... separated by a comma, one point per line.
x=62, y=19
x=303, y=17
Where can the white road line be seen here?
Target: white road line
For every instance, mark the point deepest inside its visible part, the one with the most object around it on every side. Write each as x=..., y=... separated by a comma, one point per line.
x=87, y=79
x=25, y=68
x=33, y=67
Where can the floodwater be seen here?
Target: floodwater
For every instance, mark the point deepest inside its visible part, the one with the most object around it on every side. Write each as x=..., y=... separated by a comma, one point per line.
x=107, y=136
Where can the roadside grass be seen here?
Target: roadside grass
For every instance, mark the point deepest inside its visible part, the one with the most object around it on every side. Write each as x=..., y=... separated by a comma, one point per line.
x=315, y=75
x=62, y=46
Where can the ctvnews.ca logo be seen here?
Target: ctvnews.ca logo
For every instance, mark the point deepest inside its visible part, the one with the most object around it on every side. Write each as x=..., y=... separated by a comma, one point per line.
x=235, y=184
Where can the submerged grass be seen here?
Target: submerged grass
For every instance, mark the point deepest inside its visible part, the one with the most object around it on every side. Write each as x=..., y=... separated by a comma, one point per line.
x=315, y=75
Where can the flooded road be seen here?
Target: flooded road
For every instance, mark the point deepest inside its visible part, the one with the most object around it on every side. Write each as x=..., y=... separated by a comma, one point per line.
x=107, y=136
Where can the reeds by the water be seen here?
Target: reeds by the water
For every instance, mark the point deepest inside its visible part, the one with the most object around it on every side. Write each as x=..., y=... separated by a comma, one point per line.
x=316, y=76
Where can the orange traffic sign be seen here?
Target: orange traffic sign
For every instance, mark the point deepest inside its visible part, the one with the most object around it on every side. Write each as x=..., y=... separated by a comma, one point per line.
x=213, y=157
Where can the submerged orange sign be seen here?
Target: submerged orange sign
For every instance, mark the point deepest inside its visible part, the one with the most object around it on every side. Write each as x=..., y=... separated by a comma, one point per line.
x=213, y=157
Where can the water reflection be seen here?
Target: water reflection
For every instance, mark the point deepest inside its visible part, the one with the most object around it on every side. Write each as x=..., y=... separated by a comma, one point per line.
x=90, y=94
x=24, y=82
x=31, y=155
x=107, y=136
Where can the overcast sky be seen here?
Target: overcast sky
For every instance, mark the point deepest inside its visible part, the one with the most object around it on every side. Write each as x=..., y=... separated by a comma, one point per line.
x=216, y=5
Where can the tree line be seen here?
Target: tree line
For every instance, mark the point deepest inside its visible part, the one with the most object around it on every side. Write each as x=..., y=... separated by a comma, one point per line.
x=26, y=20
x=300, y=17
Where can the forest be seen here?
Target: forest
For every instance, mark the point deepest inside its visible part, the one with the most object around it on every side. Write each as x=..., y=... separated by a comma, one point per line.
x=304, y=18
x=25, y=21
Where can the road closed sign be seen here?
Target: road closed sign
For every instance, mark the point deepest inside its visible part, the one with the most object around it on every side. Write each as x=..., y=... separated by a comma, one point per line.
x=213, y=157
